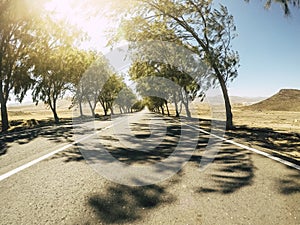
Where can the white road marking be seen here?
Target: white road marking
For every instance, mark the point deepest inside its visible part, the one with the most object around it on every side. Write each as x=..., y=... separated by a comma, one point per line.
x=285, y=162
x=35, y=161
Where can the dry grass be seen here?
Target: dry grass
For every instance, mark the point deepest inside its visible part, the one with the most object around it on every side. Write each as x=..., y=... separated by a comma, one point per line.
x=282, y=121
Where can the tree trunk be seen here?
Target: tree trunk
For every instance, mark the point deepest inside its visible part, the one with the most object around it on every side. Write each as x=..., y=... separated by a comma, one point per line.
x=176, y=109
x=162, y=110
x=167, y=107
x=80, y=107
x=92, y=108
x=111, y=110
x=187, y=110
x=185, y=102
x=56, y=119
x=105, y=112
x=53, y=108
x=229, y=117
x=4, y=116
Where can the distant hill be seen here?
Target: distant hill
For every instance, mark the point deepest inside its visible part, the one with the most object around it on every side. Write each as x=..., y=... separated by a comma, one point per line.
x=216, y=100
x=62, y=104
x=284, y=100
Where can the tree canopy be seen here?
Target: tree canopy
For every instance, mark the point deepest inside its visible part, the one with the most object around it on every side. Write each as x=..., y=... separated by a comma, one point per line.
x=194, y=24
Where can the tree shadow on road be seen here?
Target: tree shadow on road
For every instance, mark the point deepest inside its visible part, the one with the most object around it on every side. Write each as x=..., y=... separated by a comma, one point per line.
x=70, y=155
x=232, y=169
x=123, y=204
x=3, y=148
x=135, y=148
x=138, y=154
x=269, y=139
x=290, y=184
x=57, y=134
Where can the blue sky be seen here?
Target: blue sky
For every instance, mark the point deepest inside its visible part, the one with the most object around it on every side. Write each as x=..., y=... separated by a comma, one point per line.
x=269, y=48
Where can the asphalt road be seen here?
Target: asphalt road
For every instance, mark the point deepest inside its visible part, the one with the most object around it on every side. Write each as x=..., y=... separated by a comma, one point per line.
x=238, y=187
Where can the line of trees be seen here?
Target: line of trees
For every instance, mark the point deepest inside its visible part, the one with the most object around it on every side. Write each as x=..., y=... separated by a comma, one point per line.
x=39, y=53
x=194, y=24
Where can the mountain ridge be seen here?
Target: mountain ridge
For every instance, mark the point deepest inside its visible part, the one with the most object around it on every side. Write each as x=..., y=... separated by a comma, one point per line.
x=284, y=100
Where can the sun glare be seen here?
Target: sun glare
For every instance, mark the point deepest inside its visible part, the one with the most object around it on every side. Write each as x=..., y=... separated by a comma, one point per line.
x=75, y=13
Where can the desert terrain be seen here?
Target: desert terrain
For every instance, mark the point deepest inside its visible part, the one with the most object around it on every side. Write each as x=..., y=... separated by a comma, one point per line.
x=272, y=125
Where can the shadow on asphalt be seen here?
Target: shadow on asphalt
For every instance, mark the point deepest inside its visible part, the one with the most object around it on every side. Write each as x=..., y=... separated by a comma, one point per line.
x=70, y=155
x=268, y=138
x=232, y=171
x=57, y=133
x=120, y=204
x=290, y=184
x=3, y=148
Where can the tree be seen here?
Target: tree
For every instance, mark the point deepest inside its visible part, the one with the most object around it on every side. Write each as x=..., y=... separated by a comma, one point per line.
x=84, y=60
x=93, y=81
x=56, y=60
x=138, y=106
x=207, y=32
x=52, y=79
x=109, y=93
x=285, y=4
x=17, y=40
x=175, y=63
x=155, y=103
x=125, y=100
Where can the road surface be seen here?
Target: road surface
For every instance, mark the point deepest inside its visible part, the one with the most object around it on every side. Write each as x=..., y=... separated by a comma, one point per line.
x=239, y=187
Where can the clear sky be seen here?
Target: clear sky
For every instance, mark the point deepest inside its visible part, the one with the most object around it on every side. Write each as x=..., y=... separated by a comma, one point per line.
x=269, y=48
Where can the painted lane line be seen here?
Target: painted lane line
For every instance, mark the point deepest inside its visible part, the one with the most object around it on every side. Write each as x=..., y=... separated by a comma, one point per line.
x=35, y=161
x=285, y=162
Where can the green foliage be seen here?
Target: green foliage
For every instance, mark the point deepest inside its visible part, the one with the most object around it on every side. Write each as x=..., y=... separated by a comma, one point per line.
x=83, y=60
x=138, y=106
x=154, y=103
x=109, y=92
x=195, y=24
x=17, y=45
x=93, y=80
x=126, y=99
x=285, y=4
x=55, y=62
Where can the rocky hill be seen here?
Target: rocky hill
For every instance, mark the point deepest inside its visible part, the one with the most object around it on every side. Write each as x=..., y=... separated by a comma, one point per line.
x=284, y=100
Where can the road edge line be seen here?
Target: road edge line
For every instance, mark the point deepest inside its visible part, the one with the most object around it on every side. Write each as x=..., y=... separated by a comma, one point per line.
x=35, y=161
x=275, y=158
